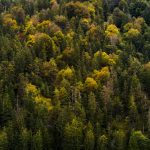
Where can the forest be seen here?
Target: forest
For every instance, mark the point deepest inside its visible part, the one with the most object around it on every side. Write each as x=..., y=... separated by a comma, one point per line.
x=74, y=74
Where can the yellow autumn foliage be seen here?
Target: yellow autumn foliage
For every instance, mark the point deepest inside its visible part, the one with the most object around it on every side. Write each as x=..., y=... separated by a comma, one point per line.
x=41, y=42
x=45, y=102
x=104, y=58
x=112, y=33
x=9, y=23
x=31, y=90
x=136, y=24
x=90, y=83
x=132, y=33
x=66, y=73
x=48, y=27
x=112, y=30
x=37, y=37
x=102, y=75
x=29, y=28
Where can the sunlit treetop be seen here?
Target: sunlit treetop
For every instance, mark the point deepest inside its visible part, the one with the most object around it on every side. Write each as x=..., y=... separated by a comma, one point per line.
x=132, y=34
x=91, y=84
x=67, y=73
x=113, y=34
x=112, y=30
x=102, y=74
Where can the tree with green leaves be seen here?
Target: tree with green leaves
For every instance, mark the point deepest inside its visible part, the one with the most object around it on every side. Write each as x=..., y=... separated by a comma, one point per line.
x=73, y=135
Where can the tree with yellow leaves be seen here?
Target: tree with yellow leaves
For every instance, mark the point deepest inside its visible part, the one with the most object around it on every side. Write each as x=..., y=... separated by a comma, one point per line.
x=102, y=75
x=65, y=73
x=42, y=44
x=9, y=24
x=90, y=84
x=113, y=34
x=34, y=93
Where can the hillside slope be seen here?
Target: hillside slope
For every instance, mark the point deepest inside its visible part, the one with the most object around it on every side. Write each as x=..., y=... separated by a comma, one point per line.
x=74, y=75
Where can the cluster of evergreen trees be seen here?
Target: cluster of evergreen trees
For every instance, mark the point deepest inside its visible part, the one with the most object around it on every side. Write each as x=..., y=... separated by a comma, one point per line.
x=74, y=74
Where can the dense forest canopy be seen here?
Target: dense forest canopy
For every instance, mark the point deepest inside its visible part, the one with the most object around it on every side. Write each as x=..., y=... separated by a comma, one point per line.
x=74, y=74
